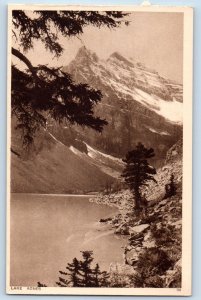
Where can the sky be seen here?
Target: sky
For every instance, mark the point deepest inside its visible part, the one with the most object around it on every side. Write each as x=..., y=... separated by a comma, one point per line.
x=152, y=38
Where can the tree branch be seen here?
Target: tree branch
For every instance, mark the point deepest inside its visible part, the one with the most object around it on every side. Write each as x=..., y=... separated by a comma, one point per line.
x=14, y=152
x=25, y=60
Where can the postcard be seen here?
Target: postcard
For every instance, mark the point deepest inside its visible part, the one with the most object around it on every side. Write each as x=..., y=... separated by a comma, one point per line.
x=99, y=177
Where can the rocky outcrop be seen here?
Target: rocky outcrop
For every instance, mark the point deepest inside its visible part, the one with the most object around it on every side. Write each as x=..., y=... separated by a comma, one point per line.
x=173, y=277
x=121, y=275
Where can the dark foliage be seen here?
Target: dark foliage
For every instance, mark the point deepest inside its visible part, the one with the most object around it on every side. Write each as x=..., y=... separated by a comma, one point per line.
x=154, y=282
x=73, y=274
x=169, y=238
x=39, y=92
x=82, y=274
x=151, y=282
x=170, y=188
x=152, y=264
x=164, y=236
x=67, y=23
x=53, y=93
x=101, y=278
x=138, y=172
x=153, y=261
x=39, y=284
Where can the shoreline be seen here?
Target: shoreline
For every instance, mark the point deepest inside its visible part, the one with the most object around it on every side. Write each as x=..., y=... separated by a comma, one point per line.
x=59, y=195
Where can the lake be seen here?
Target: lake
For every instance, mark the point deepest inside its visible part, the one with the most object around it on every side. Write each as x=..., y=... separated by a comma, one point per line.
x=47, y=231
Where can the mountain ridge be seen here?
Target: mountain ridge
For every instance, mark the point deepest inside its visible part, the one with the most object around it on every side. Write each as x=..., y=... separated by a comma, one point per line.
x=129, y=98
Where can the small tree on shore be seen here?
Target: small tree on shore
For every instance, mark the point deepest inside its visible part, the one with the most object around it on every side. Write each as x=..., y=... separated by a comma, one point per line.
x=39, y=284
x=82, y=274
x=72, y=273
x=101, y=278
x=86, y=269
x=138, y=172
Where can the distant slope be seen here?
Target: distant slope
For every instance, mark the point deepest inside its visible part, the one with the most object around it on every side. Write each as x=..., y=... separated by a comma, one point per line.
x=56, y=169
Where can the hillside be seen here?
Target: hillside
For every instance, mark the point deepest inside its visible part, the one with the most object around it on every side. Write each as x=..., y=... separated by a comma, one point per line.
x=154, y=239
x=56, y=168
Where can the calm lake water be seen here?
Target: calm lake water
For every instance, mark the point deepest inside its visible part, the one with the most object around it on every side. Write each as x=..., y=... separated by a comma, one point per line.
x=47, y=231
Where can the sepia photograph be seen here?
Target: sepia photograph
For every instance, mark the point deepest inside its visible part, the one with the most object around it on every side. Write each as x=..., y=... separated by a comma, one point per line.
x=99, y=150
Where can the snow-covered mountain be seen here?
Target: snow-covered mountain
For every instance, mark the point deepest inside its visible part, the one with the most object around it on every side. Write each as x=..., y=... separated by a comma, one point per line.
x=132, y=80
x=138, y=104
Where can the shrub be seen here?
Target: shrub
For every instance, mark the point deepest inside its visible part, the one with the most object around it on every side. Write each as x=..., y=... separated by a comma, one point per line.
x=170, y=188
x=154, y=282
x=153, y=261
x=164, y=235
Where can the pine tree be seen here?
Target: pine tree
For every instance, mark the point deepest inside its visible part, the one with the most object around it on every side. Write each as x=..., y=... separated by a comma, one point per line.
x=72, y=275
x=138, y=172
x=86, y=269
x=101, y=278
x=81, y=273
x=41, y=92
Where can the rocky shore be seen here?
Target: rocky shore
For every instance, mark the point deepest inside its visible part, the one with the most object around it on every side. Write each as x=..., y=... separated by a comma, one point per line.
x=160, y=227
x=153, y=252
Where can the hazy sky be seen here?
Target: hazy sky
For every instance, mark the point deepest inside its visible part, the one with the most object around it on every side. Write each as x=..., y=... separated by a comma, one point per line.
x=155, y=39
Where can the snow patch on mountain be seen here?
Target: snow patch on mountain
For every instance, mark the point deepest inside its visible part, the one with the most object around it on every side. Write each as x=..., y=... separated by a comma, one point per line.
x=95, y=154
x=158, y=132
x=75, y=151
x=171, y=110
x=107, y=163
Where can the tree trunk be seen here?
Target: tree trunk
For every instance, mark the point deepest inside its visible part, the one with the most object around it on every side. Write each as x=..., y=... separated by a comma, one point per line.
x=137, y=198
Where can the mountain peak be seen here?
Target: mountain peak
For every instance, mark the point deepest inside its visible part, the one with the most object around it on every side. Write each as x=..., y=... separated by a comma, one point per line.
x=86, y=54
x=118, y=57
x=83, y=51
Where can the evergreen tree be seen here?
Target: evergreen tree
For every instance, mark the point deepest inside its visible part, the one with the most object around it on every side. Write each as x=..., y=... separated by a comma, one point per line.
x=86, y=269
x=39, y=92
x=73, y=275
x=82, y=274
x=138, y=172
x=39, y=284
x=101, y=278
x=96, y=275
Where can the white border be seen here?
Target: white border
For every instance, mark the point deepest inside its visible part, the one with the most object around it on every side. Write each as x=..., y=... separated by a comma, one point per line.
x=187, y=159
